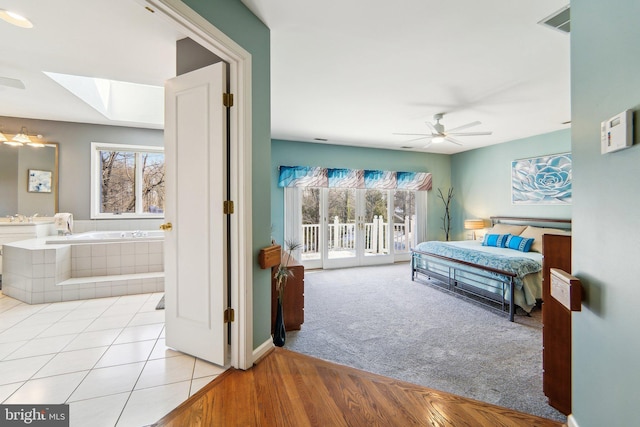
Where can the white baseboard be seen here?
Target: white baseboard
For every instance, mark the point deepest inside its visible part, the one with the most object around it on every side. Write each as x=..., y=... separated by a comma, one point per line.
x=571, y=422
x=262, y=349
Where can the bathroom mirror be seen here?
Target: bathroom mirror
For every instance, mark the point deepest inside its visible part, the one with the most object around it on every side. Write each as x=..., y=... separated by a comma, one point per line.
x=15, y=164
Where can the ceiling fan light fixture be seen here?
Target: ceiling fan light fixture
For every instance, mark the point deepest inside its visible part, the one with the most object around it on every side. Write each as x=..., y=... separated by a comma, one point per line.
x=15, y=19
x=437, y=139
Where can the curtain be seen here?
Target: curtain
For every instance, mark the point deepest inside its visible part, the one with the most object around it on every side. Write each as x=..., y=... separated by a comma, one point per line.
x=313, y=176
x=292, y=215
x=302, y=176
x=421, y=216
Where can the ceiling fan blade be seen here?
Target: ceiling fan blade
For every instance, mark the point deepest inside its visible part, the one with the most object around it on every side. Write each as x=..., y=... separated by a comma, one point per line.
x=428, y=145
x=469, y=133
x=454, y=141
x=417, y=139
x=15, y=83
x=413, y=134
x=468, y=125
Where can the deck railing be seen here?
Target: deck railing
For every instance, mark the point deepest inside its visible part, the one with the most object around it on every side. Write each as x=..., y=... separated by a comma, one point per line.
x=342, y=236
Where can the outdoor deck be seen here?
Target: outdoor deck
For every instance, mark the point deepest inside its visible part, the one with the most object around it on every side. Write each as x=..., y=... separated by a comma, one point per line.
x=341, y=238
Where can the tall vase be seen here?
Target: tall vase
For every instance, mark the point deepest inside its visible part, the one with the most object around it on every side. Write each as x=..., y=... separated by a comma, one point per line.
x=279, y=334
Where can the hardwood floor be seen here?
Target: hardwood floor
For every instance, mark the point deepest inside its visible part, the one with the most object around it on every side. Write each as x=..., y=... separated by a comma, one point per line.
x=291, y=389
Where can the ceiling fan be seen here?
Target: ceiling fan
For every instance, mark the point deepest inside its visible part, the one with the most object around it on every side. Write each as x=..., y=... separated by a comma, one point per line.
x=439, y=134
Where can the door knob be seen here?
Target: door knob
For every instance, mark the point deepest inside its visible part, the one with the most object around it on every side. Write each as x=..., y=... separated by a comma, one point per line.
x=166, y=227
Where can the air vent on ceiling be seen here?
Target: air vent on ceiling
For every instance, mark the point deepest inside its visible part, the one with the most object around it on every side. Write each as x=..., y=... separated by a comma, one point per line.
x=560, y=20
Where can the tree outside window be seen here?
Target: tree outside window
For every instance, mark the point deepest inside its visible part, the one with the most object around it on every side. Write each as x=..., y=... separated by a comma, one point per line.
x=130, y=181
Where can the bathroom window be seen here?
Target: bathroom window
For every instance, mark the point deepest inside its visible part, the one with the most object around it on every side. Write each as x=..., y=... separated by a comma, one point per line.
x=127, y=181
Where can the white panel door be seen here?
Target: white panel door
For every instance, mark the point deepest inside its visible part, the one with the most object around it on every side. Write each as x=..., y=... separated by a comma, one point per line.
x=195, y=248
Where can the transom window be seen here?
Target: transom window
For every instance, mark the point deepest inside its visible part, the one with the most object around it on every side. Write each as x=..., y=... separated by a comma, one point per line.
x=127, y=181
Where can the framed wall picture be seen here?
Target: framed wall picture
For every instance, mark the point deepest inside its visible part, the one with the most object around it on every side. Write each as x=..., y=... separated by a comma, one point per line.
x=39, y=181
x=542, y=180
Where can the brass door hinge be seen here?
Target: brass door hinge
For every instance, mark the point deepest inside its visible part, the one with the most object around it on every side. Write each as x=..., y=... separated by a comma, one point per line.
x=228, y=207
x=229, y=315
x=227, y=99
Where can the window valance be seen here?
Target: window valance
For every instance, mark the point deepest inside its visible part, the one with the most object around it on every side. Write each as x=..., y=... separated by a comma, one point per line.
x=314, y=176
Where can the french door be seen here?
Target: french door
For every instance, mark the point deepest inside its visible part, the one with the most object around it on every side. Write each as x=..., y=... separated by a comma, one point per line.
x=347, y=227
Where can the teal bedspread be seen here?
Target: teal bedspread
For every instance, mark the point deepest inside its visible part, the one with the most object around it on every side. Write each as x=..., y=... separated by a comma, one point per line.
x=521, y=266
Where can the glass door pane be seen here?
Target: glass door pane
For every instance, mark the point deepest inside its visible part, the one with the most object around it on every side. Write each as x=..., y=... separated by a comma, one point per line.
x=311, y=242
x=376, y=222
x=404, y=221
x=341, y=223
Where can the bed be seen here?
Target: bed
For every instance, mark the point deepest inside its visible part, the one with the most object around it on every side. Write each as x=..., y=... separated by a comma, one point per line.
x=485, y=270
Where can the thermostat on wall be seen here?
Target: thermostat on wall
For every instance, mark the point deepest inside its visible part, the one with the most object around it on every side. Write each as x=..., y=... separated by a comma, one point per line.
x=617, y=132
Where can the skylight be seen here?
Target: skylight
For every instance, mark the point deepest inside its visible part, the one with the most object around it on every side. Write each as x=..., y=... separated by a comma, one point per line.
x=117, y=100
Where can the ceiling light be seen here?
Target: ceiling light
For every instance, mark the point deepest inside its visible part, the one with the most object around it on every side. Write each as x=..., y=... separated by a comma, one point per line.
x=23, y=138
x=437, y=139
x=15, y=19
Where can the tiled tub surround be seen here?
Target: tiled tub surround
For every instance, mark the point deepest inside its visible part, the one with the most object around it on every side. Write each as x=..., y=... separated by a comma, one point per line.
x=37, y=272
x=109, y=259
x=30, y=228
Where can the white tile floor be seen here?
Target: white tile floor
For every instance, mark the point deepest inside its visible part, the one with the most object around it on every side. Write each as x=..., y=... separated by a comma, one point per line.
x=105, y=357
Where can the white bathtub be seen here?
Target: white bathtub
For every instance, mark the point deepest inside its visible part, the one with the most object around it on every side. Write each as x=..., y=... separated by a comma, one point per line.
x=84, y=266
x=108, y=236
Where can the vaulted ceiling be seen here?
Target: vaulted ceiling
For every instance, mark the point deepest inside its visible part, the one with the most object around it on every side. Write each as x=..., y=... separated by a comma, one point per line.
x=356, y=72
x=109, y=39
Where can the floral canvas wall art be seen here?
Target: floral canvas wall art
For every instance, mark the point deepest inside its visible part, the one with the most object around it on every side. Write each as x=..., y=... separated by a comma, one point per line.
x=542, y=180
x=39, y=181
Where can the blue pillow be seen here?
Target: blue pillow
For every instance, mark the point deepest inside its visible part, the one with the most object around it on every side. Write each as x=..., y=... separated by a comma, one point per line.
x=522, y=244
x=497, y=240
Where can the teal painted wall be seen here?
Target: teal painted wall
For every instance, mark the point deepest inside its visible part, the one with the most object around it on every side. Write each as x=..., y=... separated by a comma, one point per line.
x=237, y=22
x=481, y=180
x=289, y=153
x=605, y=79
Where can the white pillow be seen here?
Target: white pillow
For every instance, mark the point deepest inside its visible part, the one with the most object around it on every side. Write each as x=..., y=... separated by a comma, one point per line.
x=537, y=232
x=507, y=229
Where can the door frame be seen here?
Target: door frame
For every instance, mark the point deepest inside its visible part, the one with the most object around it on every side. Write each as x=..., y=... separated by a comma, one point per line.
x=202, y=31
